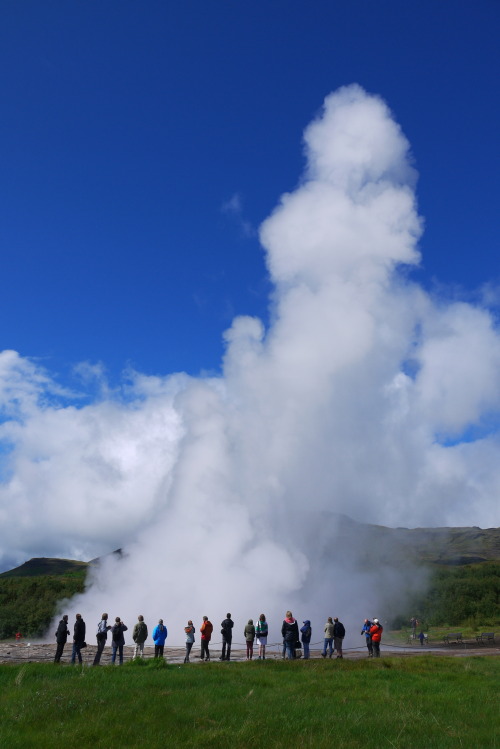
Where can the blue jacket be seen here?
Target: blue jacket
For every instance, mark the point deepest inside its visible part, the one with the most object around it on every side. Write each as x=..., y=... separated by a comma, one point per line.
x=306, y=631
x=160, y=634
x=366, y=630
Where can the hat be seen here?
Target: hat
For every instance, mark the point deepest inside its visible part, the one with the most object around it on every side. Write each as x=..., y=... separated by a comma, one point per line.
x=375, y=621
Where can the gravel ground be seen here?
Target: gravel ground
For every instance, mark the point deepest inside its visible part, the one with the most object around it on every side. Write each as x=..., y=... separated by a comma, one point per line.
x=33, y=652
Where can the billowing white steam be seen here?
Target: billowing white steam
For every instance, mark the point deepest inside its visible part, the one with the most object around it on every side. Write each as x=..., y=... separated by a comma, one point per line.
x=355, y=400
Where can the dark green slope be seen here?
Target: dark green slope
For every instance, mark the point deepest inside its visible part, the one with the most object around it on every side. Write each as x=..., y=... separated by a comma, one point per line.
x=47, y=566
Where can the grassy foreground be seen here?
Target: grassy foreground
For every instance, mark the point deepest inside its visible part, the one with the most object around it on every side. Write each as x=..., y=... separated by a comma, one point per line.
x=419, y=702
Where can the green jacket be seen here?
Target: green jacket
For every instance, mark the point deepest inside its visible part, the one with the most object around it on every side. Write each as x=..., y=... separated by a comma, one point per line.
x=140, y=633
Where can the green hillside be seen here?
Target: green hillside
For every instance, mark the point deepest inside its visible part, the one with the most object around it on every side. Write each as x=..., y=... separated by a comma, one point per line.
x=46, y=566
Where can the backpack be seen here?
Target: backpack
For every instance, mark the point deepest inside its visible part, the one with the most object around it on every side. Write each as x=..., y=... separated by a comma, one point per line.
x=117, y=634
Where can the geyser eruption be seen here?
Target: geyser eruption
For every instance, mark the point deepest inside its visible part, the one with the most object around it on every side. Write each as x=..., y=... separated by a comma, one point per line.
x=225, y=491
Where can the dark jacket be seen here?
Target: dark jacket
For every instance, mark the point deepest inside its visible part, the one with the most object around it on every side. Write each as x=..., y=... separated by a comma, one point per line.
x=226, y=629
x=290, y=630
x=62, y=633
x=306, y=631
x=338, y=630
x=79, y=631
x=117, y=631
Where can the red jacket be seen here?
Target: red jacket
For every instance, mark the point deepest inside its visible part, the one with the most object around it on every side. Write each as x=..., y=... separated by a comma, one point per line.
x=376, y=632
x=206, y=630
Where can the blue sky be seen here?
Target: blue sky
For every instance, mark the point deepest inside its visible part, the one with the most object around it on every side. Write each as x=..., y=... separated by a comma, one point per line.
x=142, y=144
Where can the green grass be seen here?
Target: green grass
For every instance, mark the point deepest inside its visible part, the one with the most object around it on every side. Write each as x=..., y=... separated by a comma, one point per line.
x=420, y=702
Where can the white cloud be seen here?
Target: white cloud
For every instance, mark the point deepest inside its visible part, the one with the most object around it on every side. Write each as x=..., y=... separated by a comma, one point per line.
x=218, y=486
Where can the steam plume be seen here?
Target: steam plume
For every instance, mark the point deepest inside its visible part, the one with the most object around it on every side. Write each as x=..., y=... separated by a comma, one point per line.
x=365, y=396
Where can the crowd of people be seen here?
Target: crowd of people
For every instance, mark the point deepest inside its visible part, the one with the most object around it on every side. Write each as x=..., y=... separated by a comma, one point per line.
x=294, y=639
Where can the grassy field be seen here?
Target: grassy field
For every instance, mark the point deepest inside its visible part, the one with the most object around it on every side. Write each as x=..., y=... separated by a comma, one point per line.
x=420, y=702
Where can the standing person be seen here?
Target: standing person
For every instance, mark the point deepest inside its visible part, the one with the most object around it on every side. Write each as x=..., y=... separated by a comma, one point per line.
x=338, y=636
x=227, y=637
x=160, y=634
x=206, y=630
x=290, y=633
x=117, y=639
x=262, y=631
x=139, y=636
x=78, y=638
x=376, y=634
x=366, y=632
x=62, y=635
x=421, y=637
x=328, y=644
x=413, y=625
x=249, y=635
x=102, y=635
x=305, y=632
x=189, y=630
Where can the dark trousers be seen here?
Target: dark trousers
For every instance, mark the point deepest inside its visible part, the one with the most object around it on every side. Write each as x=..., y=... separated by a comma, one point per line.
x=226, y=648
x=376, y=649
x=76, y=652
x=101, y=641
x=159, y=651
x=189, y=645
x=117, y=648
x=59, y=651
x=369, y=645
x=205, y=653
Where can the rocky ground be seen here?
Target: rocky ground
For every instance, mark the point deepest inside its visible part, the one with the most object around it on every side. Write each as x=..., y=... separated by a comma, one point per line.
x=33, y=652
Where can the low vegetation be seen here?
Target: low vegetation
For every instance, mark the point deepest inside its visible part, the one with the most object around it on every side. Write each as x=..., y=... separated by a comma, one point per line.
x=27, y=604
x=467, y=596
x=419, y=702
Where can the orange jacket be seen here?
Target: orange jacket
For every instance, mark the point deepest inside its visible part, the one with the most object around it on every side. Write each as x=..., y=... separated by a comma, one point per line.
x=376, y=632
x=206, y=630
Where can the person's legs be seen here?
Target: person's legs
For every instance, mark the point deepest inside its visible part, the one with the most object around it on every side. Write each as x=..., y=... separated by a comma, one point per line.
x=376, y=649
x=369, y=645
x=338, y=646
x=120, y=653
x=306, y=649
x=59, y=652
x=330, y=646
x=101, y=641
x=290, y=650
x=75, y=653
x=113, y=654
x=189, y=645
x=228, y=652
x=224, y=645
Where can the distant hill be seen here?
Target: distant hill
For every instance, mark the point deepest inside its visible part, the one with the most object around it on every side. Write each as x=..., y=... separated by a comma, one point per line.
x=360, y=542
x=46, y=566
x=416, y=546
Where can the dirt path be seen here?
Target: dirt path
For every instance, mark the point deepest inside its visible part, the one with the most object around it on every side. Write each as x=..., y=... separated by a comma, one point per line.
x=33, y=652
